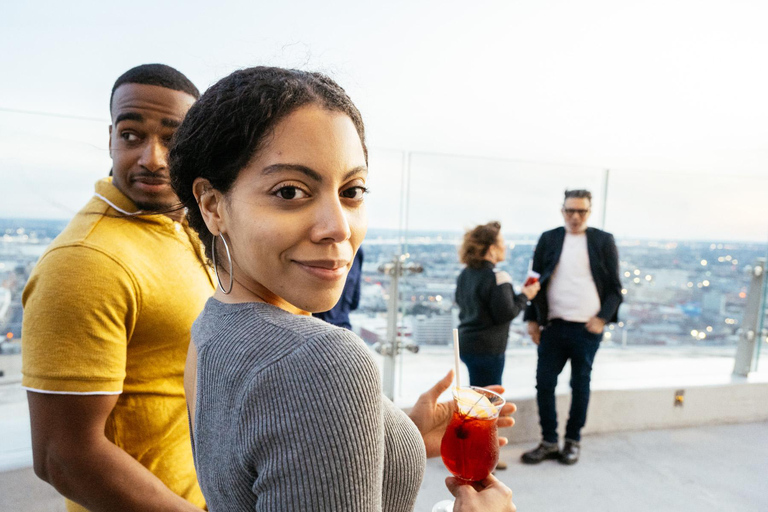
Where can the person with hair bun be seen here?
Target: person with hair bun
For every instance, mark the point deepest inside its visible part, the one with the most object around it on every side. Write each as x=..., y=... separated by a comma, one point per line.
x=487, y=304
x=287, y=411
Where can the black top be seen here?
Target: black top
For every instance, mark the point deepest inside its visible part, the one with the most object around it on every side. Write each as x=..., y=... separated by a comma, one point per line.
x=485, y=310
x=603, y=263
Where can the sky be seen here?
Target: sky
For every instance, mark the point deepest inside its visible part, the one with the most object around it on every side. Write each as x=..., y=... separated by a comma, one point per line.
x=501, y=104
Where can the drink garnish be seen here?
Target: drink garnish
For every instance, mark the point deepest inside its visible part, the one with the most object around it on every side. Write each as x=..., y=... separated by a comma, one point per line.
x=474, y=404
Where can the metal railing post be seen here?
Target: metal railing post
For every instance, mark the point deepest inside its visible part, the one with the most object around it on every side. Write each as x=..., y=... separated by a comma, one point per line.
x=751, y=332
x=394, y=343
x=388, y=351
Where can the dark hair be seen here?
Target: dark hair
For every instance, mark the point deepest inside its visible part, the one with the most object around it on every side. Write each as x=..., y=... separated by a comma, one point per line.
x=156, y=74
x=231, y=120
x=476, y=243
x=578, y=194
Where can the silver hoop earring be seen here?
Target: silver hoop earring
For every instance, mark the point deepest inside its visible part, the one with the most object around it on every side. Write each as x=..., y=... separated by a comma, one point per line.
x=216, y=268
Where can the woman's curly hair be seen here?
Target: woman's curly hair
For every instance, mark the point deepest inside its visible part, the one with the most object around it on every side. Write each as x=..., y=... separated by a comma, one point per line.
x=476, y=243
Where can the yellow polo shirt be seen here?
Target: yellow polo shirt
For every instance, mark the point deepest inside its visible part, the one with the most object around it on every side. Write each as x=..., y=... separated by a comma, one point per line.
x=108, y=310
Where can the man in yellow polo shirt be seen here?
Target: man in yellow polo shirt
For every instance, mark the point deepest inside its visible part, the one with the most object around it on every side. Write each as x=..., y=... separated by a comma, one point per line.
x=107, y=318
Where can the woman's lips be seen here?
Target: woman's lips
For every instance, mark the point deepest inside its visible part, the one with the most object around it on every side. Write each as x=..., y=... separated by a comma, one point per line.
x=328, y=270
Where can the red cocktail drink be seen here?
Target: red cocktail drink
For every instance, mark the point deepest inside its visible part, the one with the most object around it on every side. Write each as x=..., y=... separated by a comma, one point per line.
x=470, y=446
x=533, y=277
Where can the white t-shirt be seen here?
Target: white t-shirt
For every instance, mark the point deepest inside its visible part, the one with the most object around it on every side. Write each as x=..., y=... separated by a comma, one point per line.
x=572, y=294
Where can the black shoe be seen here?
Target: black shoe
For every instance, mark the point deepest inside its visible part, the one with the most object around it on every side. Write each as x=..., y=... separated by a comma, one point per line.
x=570, y=453
x=540, y=453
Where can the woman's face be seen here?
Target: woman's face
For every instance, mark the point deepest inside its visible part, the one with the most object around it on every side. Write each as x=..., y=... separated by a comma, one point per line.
x=295, y=217
x=500, y=249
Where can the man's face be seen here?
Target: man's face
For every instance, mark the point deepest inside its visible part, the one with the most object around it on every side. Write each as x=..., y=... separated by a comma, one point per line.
x=144, y=118
x=576, y=211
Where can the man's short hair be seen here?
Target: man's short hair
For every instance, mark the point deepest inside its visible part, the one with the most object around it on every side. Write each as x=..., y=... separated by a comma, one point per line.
x=578, y=194
x=156, y=74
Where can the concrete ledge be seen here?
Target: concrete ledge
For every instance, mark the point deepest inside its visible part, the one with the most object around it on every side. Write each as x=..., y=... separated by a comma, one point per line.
x=650, y=409
x=10, y=368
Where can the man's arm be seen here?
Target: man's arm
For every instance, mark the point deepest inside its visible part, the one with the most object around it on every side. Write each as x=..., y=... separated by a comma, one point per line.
x=71, y=452
x=613, y=296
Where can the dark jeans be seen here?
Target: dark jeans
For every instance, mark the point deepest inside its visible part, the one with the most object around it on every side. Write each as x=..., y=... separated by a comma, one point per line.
x=484, y=370
x=561, y=341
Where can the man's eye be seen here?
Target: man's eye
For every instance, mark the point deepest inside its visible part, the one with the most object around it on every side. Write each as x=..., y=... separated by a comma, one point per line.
x=129, y=137
x=291, y=193
x=354, y=193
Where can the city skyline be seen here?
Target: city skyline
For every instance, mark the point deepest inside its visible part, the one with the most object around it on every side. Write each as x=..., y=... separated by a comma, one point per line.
x=676, y=293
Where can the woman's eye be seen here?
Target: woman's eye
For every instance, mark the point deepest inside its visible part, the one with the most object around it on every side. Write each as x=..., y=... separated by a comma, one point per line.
x=354, y=193
x=291, y=193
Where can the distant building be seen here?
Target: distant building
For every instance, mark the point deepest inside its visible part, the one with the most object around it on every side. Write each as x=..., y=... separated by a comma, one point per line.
x=433, y=330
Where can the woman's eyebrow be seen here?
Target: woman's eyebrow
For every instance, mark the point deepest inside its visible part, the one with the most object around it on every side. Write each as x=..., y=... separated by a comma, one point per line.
x=310, y=173
x=360, y=169
x=274, y=168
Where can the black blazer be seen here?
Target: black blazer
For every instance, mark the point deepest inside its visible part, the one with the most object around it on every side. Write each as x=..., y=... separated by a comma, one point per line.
x=603, y=261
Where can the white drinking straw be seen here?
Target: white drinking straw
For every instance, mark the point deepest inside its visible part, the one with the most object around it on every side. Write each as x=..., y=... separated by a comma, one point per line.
x=456, y=355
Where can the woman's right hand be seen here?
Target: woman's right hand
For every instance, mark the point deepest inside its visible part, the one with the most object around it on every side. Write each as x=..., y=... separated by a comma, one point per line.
x=531, y=290
x=490, y=495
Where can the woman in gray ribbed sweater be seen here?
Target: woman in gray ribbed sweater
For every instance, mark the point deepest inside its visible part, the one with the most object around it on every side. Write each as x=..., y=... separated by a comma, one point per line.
x=288, y=413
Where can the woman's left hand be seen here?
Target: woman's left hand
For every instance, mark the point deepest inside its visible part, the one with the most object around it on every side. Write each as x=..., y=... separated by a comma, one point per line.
x=432, y=418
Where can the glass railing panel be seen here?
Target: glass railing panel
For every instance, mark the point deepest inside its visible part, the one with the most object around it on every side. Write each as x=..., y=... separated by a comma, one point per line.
x=687, y=243
x=448, y=195
x=383, y=243
x=48, y=165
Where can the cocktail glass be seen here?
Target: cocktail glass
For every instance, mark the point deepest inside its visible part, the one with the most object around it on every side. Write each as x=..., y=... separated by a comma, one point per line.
x=470, y=446
x=532, y=277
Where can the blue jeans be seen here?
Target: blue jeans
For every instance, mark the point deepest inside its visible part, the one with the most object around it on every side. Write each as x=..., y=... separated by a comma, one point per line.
x=561, y=341
x=484, y=370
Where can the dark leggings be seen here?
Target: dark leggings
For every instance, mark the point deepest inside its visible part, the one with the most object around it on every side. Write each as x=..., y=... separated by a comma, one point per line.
x=484, y=370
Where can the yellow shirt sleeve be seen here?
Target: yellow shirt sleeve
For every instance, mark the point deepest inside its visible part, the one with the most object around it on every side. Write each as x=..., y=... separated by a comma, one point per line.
x=80, y=306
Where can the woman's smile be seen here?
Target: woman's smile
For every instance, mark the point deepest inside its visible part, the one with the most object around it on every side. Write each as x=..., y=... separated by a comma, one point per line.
x=328, y=270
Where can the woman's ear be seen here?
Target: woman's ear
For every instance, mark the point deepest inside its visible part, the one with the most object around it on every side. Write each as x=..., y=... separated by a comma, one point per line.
x=211, y=204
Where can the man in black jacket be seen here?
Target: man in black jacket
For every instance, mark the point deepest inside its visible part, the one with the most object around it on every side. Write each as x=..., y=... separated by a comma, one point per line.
x=580, y=293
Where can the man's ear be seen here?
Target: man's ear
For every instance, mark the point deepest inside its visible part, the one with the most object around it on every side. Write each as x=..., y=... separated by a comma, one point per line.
x=211, y=204
x=110, y=143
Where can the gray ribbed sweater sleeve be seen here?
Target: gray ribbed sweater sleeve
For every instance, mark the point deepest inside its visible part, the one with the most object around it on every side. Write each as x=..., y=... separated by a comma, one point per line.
x=290, y=416
x=335, y=436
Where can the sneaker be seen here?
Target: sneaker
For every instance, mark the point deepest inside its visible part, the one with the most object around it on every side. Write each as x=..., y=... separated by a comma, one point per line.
x=501, y=465
x=542, y=452
x=570, y=453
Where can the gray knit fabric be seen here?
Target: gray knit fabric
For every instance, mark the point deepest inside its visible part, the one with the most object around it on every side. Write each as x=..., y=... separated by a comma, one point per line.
x=290, y=416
